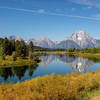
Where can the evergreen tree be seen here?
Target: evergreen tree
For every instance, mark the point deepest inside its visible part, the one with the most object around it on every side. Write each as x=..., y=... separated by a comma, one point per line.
x=2, y=54
x=6, y=47
x=31, y=47
x=21, y=49
x=12, y=42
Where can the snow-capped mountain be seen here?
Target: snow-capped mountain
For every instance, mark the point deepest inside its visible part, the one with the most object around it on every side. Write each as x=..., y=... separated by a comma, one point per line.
x=45, y=42
x=15, y=38
x=83, y=39
x=79, y=39
x=42, y=42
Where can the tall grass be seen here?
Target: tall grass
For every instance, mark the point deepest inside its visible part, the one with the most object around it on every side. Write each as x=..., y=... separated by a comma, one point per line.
x=54, y=87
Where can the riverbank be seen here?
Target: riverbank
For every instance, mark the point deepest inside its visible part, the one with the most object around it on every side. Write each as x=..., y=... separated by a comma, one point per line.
x=86, y=55
x=54, y=87
x=8, y=62
x=49, y=52
x=93, y=57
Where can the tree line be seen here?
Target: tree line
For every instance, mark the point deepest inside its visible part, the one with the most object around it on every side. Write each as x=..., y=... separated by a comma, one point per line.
x=15, y=48
x=85, y=50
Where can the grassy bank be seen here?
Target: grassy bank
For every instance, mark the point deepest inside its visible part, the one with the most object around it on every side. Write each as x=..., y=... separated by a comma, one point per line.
x=90, y=56
x=61, y=87
x=93, y=95
x=49, y=52
x=87, y=55
x=8, y=62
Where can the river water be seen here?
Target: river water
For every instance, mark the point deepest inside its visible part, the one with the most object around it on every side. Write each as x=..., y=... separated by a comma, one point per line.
x=58, y=64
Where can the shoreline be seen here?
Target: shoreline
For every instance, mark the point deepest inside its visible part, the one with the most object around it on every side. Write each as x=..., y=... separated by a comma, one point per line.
x=85, y=55
x=25, y=62
x=19, y=62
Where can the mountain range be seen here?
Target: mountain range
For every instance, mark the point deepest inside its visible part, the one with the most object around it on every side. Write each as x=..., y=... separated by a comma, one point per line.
x=79, y=39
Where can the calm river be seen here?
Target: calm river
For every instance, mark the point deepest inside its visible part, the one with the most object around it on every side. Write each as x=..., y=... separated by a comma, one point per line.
x=58, y=64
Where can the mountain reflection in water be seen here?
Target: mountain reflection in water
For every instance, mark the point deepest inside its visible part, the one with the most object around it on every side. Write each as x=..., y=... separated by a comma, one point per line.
x=77, y=63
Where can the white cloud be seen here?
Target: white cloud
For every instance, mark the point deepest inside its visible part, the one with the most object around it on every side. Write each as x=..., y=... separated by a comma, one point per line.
x=94, y=3
x=19, y=9
x=89, y=7
x=18, y=0
x=73, y=16
x=73, y=9
x=97, y=16
x=42, y=11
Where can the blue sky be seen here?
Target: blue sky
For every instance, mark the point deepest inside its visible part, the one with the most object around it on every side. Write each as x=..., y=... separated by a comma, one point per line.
x=56, y=19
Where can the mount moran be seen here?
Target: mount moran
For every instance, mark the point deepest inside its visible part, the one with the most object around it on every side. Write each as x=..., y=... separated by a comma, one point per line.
x=79, y=39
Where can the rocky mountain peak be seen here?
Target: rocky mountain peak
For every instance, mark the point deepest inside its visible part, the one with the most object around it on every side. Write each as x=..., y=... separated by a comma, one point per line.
x=80, y=35
x=44, y=38
x=83, y=39
x=81, y=32
x=11, y=37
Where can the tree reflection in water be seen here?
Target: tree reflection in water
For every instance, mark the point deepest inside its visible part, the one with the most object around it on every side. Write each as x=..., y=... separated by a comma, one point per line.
x=5, y=73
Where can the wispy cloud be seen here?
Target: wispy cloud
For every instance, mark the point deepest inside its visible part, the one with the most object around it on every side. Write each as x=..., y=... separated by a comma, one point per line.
x=93, y=3
x=18, y=0
x=73, y=16
x=89, y=7
x=97, y=16
x=42, y=11
x=73, y=9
